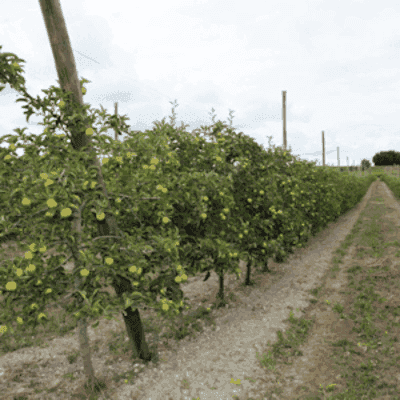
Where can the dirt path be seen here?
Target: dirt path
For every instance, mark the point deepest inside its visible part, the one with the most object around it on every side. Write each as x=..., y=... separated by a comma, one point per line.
x=223, y=361
x=209, y=368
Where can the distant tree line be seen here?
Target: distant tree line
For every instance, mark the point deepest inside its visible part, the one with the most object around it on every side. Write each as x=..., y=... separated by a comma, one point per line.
x=386, y=158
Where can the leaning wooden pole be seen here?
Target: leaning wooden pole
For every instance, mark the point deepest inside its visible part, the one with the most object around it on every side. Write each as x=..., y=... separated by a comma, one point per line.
x=69, y=82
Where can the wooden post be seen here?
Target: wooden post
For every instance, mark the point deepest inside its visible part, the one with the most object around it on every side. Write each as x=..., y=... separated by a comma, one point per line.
x=116, y=113
x=338, y=162
x=284, y=117
x=116, y=131
x=69, y=82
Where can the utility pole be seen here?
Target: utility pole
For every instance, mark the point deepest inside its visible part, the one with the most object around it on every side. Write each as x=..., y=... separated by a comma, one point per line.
x=323, y=149
x=284, y=117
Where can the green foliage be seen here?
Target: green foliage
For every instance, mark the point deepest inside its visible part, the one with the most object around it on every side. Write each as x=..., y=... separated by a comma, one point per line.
x=176, y=199
x=386, y=158
x=365, y=164
x=61, y=181
x=74, y=187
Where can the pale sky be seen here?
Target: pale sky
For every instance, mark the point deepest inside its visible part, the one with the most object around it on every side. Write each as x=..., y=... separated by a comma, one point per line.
x=338, y=61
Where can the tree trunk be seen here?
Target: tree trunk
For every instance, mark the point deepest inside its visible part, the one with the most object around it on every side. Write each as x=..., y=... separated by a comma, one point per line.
x=132, y=321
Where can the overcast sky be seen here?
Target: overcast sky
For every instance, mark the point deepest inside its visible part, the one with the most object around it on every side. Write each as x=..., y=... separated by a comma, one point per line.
x=338, y=61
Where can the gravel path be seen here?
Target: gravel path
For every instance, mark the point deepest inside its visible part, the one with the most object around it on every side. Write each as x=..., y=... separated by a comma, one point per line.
x=208, y=366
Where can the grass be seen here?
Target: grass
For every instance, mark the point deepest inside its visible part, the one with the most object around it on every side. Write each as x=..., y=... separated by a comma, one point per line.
x=366, y=357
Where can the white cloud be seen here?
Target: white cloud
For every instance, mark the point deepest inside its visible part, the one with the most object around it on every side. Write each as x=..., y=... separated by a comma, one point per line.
x=337, y=60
